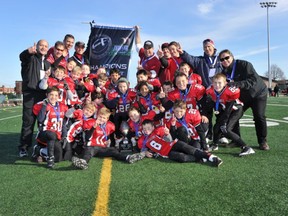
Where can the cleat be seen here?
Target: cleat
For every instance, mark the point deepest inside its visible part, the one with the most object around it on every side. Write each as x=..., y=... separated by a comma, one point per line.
x=213, y=147
x=118, y=141
x=23, y=153
x=36, y=151
x=216, y=161
x=264, y=147
x=79, y=163
x=246, y=151
x=224, y=140
x=135, y=157
x=208, y=140
x=50, y=162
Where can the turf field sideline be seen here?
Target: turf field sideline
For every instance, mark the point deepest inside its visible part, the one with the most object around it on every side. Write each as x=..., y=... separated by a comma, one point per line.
x=253, y=185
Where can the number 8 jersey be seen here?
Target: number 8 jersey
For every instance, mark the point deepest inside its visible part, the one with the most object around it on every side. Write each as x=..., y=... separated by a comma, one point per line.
x=156, y=143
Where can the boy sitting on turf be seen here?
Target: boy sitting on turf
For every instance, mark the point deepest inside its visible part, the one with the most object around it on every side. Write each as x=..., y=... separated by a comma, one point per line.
x=175, y=150
x=135, y=123
x=74, y=139
x=97, y=141
x=185, y=124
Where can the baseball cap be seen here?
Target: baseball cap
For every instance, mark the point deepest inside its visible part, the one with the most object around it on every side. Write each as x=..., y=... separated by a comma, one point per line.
x=148, y=44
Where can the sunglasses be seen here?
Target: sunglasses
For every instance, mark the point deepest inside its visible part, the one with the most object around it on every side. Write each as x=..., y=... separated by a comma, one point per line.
x=225, y=58
x=61, y=50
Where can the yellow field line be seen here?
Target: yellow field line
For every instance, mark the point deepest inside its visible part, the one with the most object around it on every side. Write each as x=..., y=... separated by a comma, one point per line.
x=101, y=205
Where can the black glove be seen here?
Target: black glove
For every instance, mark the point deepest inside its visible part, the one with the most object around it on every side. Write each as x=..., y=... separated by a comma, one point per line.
x=66, y=87
x=77, y=106
x=45, y=102
x=234, y=84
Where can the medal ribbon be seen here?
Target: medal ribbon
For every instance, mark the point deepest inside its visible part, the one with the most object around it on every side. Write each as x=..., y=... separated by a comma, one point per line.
x=57, y=111
x=146, y=60
x=184, y=124
x=210, y=62
x=218, y=95
x=136, y=127
x=148, y=101
x=144, y=143
x=231, y=77
x=183, y=95
x=103, y=128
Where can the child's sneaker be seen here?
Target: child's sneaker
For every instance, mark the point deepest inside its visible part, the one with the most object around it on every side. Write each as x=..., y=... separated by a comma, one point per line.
x=50, y=162
x=79, y=163
x=135, y=157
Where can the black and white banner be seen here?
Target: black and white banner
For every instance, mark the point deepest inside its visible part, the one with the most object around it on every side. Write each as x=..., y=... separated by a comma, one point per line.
x=110, y=47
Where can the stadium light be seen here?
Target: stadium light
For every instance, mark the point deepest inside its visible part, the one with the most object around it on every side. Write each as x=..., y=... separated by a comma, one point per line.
x=267, y=5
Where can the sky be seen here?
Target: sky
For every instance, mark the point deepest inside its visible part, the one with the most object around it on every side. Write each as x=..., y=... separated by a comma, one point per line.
x=240, y=26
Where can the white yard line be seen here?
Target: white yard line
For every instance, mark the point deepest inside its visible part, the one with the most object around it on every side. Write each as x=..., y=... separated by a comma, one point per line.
x=10, y=117
x=281, y=105
x=276, y=120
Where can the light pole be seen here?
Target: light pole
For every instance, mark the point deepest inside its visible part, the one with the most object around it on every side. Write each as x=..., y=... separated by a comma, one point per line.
x=267, y=5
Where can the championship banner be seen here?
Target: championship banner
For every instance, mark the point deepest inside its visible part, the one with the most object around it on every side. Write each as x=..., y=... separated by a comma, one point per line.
x=110, y=47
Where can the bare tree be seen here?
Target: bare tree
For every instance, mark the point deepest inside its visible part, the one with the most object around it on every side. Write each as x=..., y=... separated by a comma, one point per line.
x=277, y=73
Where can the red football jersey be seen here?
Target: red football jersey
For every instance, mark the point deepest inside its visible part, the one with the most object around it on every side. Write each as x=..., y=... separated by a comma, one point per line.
x=74, y=130
x=169, y=72
x=194, y=79
x=228, y=94
x=77, y=127
x=100, y=135
x=150, y=102
x=72, y=87
x=191, y=95
x=150, y=63
x=53, y=117
x=137, y=126
x=156, y=143
x=109, y=85
x=125, y=100
x=191, y=120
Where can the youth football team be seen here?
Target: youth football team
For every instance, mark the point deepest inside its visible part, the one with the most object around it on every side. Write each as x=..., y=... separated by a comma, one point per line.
x=169, y=112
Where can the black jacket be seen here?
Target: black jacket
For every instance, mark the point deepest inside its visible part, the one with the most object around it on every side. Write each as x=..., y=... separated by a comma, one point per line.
x=31, y=65
x=201, y=66
x=247, y=79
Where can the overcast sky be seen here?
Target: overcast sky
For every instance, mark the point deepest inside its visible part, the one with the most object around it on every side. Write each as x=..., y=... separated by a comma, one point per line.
x=240, y=26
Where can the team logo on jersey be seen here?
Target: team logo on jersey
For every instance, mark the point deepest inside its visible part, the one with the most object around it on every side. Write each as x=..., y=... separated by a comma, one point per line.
x=101, y=46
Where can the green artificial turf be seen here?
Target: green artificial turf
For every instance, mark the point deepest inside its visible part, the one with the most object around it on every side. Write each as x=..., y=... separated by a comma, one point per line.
x=251, y=185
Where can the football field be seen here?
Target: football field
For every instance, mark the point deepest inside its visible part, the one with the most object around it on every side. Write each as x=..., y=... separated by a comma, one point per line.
x=252, y=185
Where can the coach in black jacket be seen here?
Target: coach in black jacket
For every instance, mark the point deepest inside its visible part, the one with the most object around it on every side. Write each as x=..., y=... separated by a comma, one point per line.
x=33, y=67
x=253, y=94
